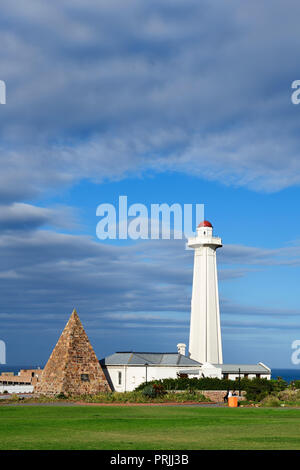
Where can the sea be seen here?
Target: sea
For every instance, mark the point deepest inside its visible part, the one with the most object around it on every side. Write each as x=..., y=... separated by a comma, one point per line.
x=286, y=374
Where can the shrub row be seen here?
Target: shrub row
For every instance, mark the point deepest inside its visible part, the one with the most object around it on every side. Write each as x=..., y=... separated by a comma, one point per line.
x=146, y=396
x=256, y=389
x=141, y=397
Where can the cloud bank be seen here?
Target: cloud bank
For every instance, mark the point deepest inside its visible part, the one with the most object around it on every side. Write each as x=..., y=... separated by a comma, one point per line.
x=196, y=87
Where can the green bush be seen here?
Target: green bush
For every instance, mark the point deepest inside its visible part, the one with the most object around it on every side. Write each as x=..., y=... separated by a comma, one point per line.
x=61, y=396
x=14, y=397
x=153, y=390
x=289, y=395
x=149, y=391
x=114, y=397
x=295, y=384
x=194, y=384
x=256, y=389
x=271, y=400
x=141, y=397
x=279, y=384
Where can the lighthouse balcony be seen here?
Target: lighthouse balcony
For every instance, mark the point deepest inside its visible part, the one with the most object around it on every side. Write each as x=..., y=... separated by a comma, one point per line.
x=195, y=242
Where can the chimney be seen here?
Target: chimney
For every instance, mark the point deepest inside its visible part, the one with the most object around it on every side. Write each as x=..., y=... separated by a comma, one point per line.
x=181, y=348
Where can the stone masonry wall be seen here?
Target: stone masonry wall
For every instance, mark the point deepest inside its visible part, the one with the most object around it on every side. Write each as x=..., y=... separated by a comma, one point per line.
x=73, y=367
x=218, y=395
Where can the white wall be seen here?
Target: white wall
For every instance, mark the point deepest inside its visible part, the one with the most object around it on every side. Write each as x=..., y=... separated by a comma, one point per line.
x=250, y=376
x=16, y=388
x=208, y=370
x=133, y=376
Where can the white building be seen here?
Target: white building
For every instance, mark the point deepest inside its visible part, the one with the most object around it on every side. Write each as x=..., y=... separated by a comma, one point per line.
x=23, y=382
x=249, y=371
x=126, y=370
x=15, y=388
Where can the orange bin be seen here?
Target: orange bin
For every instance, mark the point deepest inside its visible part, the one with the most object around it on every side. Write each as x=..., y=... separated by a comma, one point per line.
x=232, y=402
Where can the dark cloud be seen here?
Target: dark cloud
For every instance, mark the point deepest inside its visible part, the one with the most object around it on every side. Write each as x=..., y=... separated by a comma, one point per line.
x=230, y=308
x=249, y=255
x=195, y=87
x=260, y=325
x=135, y=296
x=51, y=269
x=24, y=217
x=47, y=273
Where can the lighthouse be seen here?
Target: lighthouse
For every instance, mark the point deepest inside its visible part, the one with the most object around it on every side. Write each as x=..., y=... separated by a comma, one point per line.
x=205, y=329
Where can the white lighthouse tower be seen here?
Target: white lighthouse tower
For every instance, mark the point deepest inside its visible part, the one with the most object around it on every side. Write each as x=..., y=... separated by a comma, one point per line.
x=205, y=330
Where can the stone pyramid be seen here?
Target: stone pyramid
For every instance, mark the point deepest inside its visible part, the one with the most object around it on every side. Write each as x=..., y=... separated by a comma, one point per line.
x=73, y=367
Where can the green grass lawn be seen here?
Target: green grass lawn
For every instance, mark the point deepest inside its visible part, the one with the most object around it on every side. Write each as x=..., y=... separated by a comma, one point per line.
x=121, y=428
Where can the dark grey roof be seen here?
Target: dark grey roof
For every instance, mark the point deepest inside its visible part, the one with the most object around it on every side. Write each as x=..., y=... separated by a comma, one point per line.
x=244, y=368
x=142, y=358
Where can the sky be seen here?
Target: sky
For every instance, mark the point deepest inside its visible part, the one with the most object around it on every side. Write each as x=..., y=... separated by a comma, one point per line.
x=168, y=101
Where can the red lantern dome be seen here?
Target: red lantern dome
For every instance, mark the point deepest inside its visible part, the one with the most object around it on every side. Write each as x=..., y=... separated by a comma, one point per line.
x=205, y=223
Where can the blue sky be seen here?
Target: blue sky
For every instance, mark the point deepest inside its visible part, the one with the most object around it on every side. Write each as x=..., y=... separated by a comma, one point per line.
x=164, y=102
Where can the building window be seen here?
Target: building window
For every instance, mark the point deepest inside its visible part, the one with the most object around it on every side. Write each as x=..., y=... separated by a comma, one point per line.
x=85, y=378
x=225, y=376
x=258, y=376
x=182, y=376
x=246, y=376
x=119, y=378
